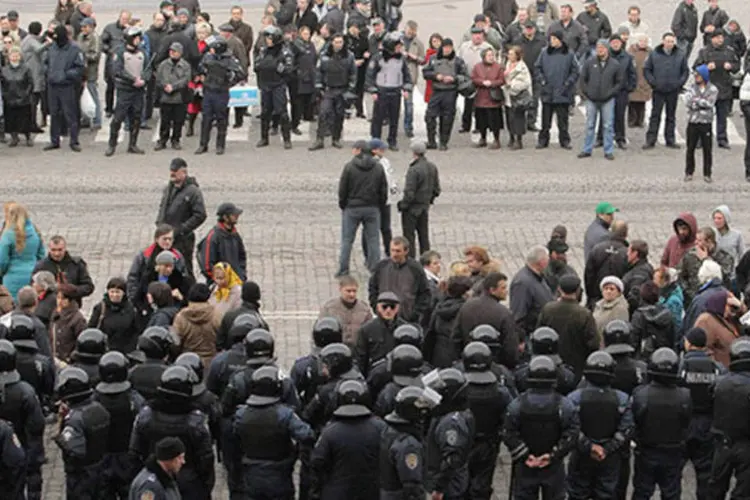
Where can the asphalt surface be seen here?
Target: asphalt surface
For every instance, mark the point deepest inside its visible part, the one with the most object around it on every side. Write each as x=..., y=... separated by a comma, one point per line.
x=505, y=200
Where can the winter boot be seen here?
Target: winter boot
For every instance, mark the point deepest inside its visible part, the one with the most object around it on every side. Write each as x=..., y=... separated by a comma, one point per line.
x=191, y=126
x=286, y=132
x=133, y=144
x=205, y=137
x=265, y=126
x=13, y=140
x=221, y=140
x=317, y=145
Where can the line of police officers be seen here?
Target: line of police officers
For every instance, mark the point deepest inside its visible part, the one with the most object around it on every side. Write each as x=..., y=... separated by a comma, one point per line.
x=440, y=431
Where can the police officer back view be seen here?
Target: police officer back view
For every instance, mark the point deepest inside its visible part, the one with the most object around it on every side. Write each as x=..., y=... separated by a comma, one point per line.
x=731, y=425
x=12, y=463
x=116, y=395
x=220, y=71
x=35, y=369
x=346, y=456
x=380, y=371
x=20, y=406
x=91, y=344
x=172, y=414
x=443, y=69
x=544, y=341
x=488, y=401
x=306, y=371
x=154, y=342
x=82, y=436
x=234, y=359
x=335, y=80
x=203, y=399
x=273, y=65
x=662, y=413
x=405, y=366
x=489, y=336
x=264, y=429
x=131, y=69
x=606, y=426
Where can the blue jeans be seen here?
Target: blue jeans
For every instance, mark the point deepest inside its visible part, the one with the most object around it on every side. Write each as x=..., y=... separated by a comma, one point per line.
x=351, y=218
x=94, y=91
x=409, y=113
x=607, y=110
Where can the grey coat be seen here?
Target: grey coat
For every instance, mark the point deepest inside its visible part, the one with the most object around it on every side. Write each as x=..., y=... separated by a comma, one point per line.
x=175, y=74
x=91, y=47
x=33, y=51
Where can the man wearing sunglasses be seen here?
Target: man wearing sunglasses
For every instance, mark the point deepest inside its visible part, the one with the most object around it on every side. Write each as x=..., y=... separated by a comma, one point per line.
x=375, y=338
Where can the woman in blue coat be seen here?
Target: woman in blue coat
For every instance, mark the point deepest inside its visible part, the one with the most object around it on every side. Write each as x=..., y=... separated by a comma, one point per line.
x=20, y=248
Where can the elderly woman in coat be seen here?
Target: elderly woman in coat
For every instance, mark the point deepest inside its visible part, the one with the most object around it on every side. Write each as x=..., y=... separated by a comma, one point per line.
x=517, y=90
x=642, y=93
x=488, y=77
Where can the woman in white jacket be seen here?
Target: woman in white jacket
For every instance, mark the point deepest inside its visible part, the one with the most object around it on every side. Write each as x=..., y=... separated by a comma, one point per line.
x=517, y=91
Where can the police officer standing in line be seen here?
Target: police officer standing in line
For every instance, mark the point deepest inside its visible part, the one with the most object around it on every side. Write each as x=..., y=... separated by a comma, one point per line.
x=443, y=70
x=488, y=401
x=387, y=79
x=273, y=65
x=172, y=414
x=203, y=399
x=157, y=478
x=401, y=450
x=346, y=457
x=219, y=71
x=154, y=343
x=131, y=69
x=116, y=395
x=12, y=463
x=91, y=344
x=662, y=413
x=264, y=429
x=82, y=435
x=381, y=373
x=306, y=371
x=732, y=426
x=449, y=439
x=545, y=342
x=405, y=366
x=489, y=336
x=234, y=359
x=606, y=426
x=699, y=372
x=541, y=427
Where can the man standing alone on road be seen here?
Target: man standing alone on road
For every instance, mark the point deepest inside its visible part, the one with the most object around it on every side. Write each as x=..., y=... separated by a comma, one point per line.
x=421, y=188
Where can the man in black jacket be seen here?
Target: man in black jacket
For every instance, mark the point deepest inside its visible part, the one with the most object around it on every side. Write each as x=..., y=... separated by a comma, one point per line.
x=250, y=305
x=362, y=191
x=595, y=22
x=608, y=258
x=639, y=272
x=66, y=268
x=421, y=188
x=529, y=291
x=375, y=338
x=223, y=244
x=182, y=208
x=685, y=26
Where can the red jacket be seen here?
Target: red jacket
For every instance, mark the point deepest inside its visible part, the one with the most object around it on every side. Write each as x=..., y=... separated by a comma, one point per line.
x=428, y=83
x=675, y=248
x=495, y=74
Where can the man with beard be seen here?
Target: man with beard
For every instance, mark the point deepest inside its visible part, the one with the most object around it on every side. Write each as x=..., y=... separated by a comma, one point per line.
x=639, y=272
x=273, y=65
x=443, y=69
x=66, y=268
x=558, y=264
x=65, y=68
x=223, y=244
x=685, y=228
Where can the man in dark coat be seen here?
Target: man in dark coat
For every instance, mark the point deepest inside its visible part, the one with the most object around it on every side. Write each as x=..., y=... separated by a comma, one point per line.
x=532, y=44
x=178, y=33
x=304, y=16
x=595, y=22
x=223, y=244
x=574, y=33
x=375, y=338
x=243, y=32
x=628, y=81
x=529, y=291
x=685, y=26
x=66, y=268
x=608, y=258
x=558, y=264
x=112, y=39
x=250, y=305
x=500, y=11
x=639, y=272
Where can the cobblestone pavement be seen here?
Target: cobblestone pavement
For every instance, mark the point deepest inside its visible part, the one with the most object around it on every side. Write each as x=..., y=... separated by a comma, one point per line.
x=508, y=200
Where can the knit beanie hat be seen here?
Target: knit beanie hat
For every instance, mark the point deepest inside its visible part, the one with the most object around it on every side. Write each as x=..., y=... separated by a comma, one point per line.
x=704, y=72
x=169, y=448
x=612, y=280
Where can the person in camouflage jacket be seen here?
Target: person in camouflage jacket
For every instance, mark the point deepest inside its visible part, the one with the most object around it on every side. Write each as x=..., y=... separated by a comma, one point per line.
x=705, y=248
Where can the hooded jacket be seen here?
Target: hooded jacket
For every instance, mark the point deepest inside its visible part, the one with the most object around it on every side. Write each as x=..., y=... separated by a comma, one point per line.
x=675, y=248
x=194, y=326
x=362, y=183
x=65, y=63
x=651, y=328
x=731, y=241
x=556, y=70
x=66, y=325
x=720, y=333
x=444, y=347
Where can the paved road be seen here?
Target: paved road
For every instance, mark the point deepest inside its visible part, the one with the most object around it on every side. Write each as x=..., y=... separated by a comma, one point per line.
x=506, y=200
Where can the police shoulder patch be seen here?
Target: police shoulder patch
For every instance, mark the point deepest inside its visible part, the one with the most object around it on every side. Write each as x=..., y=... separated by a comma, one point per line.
x=67, y=434
x=451, y=437
x=412, y=461
x=16, y=441
x=147, y=495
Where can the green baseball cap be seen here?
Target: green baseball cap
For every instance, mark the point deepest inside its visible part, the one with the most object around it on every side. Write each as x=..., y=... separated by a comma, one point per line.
x=606, y=208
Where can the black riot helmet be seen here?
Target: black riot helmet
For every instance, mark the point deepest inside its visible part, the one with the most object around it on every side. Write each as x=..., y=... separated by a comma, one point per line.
x=91, y=345
x=406, y=365
x=327, y=331
x=337, y=359
x=617, y=338
x=542, y=372
x=8, y=373
x=353, y=399
x=242, y=325
x=544, y=340
x=408, y=334
x=739, y=355
x=408, y=407
x=155, y=342
x=113, y=372
x=72, y=385
x=600, y=368
x=486, y=334
x=391, y=41
x=663, y=366
x=21, y=332
x=451, y=386
x=176, y=383
x=218, y=44
x=265, y=386
x=259, y=346
x=193, y=362
x=477, y=359
x=274, y=33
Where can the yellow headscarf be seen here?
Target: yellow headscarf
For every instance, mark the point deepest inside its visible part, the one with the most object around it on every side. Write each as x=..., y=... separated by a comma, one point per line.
x=222, y=293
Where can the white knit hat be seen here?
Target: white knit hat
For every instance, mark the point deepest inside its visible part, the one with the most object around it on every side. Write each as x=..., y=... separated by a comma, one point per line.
x=612, y=280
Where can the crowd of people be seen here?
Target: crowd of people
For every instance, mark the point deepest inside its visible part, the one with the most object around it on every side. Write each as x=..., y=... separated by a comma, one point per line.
x=321, y=57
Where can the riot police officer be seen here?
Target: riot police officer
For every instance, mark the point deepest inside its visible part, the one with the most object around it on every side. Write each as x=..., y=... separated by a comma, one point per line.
x=345, y=458
x=172, y=414
x=20, y=406
x=131, y=68
x=264, y=429
x=401, y=450
x=12, y=463
x=606, y=426
x=203, y=399
x=379, y=374
x=541, y=427
x=155, y=343
x=234, y=359
x=662, y=413
x=489, y=336
x=116, y=395
x=335, y=81
x=405, y=366
x=220, y=71
x=82, y=435
x=273, y=65
x=488, y=401
x=387, y=79
x=91, y=344
x=699, y=372
x=306, y=371
x=731, y=425
x=35, y=368
x=544, y=341
x=444, y=70
x=449, y=438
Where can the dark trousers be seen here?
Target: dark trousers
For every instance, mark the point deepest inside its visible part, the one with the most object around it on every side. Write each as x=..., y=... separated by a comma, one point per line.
x=36, y=100
x=489, y=118
x=516, y=118
x=723, y=106
x=109, y=94
x=588, y=478
x=152, y=97
x=359, y=89
x=292, y=86
x=482, y=461
x=416, y=220
x=239, y=116
x=466, y=116
x=34, y=482
x=621, y=106
x=172, y=120
x=699, y=133
x=699, y=449
x=636, y=114
x=659, y=101
x=623, y=479
x=730, y=459
x=130, y=106
x=528, y=482
x=84, y=483
x=386, y=234
x=657, y=467
x=533, y=110
x=562, y=115
x=387, y=107
x=273, y=103
x=215, y=110
x=62, y=110
x=746, y=112
x=303, y=109
x=185, y=245
x=116, y=476
x=442, y=105
x=331, y=116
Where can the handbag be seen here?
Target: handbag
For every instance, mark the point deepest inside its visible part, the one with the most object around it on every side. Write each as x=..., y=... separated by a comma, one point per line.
x=496, y=94
x=524, y=100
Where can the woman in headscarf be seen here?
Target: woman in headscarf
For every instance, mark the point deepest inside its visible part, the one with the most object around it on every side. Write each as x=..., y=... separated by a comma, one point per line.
x=227, y=291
